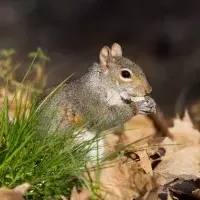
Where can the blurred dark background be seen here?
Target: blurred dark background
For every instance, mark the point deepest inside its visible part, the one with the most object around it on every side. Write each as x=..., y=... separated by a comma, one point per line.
x=163, y=36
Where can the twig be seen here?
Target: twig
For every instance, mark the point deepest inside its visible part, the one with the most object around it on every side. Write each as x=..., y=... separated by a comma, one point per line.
x=160, y=123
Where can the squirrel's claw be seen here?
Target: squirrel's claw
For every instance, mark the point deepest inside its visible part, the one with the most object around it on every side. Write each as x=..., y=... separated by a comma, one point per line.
x=146, y=107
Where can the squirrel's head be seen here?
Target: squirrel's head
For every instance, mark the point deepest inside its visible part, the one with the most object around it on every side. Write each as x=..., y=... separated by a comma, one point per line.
x=124, y=73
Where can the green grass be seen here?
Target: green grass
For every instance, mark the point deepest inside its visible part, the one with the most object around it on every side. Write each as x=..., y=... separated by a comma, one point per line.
x=50, y=163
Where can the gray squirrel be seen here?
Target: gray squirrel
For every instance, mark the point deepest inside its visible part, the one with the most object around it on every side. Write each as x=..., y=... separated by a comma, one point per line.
x=109, y=94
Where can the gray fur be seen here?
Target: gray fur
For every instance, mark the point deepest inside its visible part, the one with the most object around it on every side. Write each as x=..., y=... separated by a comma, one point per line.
x=88, y=97
x=98, y=97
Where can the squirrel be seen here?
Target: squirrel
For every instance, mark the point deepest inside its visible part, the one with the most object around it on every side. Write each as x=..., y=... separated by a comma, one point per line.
x=109, y=94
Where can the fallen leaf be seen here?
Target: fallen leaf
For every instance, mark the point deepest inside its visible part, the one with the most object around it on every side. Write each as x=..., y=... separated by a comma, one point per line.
x=139, y=127
x=181, y=164
x=184, y=132
x=22, y=188
x=14, y=194
x=145, y=162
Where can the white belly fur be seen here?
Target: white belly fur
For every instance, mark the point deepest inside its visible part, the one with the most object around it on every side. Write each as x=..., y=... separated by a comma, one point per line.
x=114, y=98
x=97, y=148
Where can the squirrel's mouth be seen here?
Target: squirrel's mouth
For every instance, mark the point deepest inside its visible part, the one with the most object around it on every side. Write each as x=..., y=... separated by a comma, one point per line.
x=145, y=105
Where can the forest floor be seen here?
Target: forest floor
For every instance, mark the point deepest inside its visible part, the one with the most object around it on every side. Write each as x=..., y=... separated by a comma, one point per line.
x=147, y=159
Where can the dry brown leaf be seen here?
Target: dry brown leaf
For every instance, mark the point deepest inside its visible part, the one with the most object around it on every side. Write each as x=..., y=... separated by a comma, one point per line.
x=22, y=188
x=22, y=98
x=123, y=180
x=137, y=128
x=152, y=195
x=145, y=162
x=181, y=164
x=111, y=142
x=184, y=132
x=169, y=196
x=170, y=146
x=14, y=194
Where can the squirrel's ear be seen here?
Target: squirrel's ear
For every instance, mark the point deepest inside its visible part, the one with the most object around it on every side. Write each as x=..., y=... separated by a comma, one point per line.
x=104, y=56
x=116, y=50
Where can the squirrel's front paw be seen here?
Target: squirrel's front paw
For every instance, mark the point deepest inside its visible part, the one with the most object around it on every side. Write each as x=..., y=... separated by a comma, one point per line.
x=147, y=106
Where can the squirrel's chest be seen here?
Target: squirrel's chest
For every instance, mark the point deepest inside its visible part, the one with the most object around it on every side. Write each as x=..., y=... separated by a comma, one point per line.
x=91, y=108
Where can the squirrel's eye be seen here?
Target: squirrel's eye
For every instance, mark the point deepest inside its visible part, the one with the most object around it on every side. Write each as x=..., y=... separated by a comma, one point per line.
x=126, y=74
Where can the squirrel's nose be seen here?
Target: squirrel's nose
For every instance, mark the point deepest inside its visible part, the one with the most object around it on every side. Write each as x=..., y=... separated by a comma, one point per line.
x=143, y=91
x=148, y=89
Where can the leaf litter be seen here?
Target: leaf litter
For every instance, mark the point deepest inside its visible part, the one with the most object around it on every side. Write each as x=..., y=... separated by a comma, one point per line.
x=126, y=178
